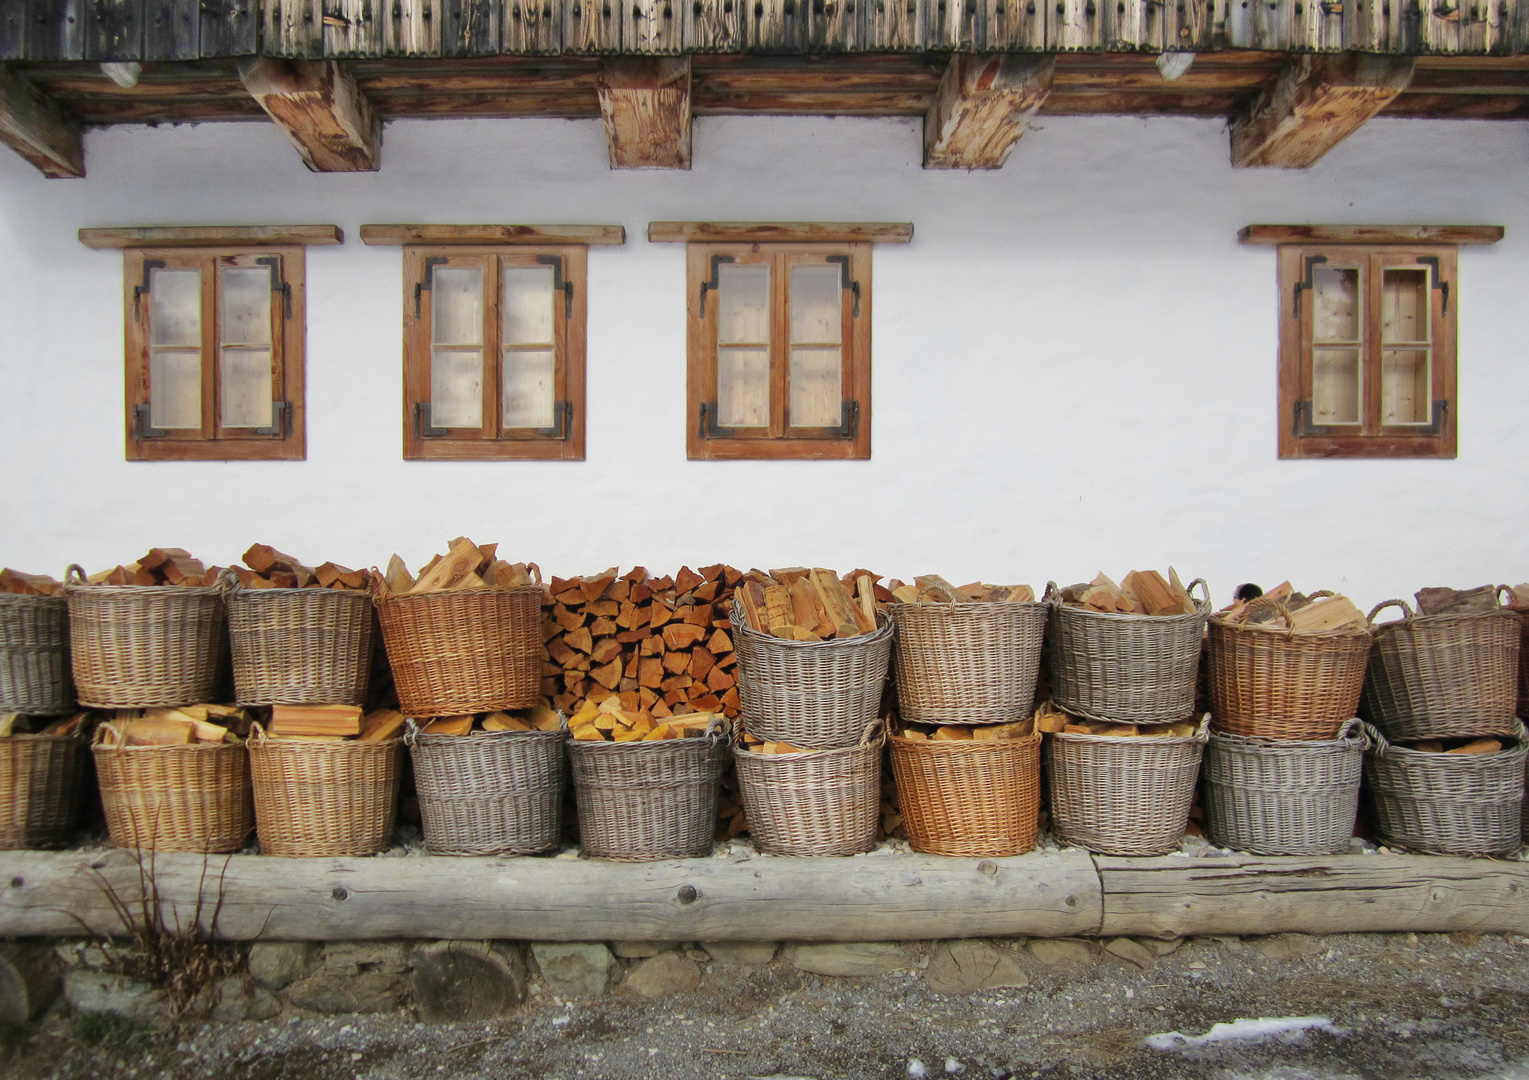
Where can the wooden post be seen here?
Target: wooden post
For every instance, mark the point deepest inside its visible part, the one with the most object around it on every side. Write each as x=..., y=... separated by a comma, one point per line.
x=317, y=103
x=37, y=129
x=646, y=105
x=1314, y=104
x=981, y=108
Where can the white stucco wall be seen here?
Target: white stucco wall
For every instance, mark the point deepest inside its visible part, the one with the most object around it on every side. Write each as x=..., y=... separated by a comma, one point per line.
x=1074, y=361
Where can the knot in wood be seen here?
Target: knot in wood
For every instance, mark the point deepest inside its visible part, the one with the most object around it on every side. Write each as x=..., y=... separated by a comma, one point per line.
x=687, y=894
x=988, y=867
x=17, y=882
x=339, y=892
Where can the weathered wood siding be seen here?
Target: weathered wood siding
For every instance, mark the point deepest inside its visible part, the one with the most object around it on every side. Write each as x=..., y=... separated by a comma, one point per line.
x=52, y=30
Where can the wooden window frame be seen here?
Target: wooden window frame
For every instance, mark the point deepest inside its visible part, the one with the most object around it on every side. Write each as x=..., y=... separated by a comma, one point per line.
x=213, y=442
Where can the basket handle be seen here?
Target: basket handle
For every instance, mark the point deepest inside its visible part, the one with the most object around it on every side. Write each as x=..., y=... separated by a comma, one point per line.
x=1052, y=597
x=716, y=728
x=536, y=573
x=1268, y=601
x=1352, y=731
x=870, y=731
x=109, y=735
x=1378, y=608
x=257, y=735
x=411, y=732
x=1373, y=739
x=79, y=574
x=1204, y=590
x=1497, y=596
x=1202, y=732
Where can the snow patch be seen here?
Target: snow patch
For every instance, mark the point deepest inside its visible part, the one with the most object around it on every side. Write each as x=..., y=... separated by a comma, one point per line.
x=1287, y=1027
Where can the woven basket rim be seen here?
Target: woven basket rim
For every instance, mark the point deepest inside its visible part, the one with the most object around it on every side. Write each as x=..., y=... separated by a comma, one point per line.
x=1384, y=748
x=983, y=607
x=876, y=742
x=1202, y=610
x=884, y=628
x=1201, y=735
x=958, y=746
x=38, y=737
x=602, y=746
x=239, y=592
x=142, y=590
x=480, y=737
x=380, y=596
x=173, y=748
x=1415, y=619
x=1262, y=742
x=21, y=600
x=1220, y=621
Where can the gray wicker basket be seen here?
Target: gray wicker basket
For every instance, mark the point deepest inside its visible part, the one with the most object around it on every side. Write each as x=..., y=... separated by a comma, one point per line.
x=1131, y=669
x=817, y=694
x=1283, y=796
x=1447, y=804
x=1122, y=795
x=34, y=655
x=967, y=663
x=818, y=802
x=489, y=793
x=641, y=801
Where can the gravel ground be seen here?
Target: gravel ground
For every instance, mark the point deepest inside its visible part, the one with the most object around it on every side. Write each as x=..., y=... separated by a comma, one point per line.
x=1398, y=1006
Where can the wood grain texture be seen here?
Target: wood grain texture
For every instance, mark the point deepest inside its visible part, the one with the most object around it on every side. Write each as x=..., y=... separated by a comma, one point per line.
x=1370, y=234
x=713, y=26
x=982, y=107
x=33, y=125
x=1315, y=104
x=229, y=28
x=172, y=30
x=241, y=236
x=533, y=27
x=55, y=29
x=589, y=235
x=776, y=232
x=293, y=29
x=353, y=27
x=114, y=30
x=645, y=104
x=317, y=104
x=808, y=899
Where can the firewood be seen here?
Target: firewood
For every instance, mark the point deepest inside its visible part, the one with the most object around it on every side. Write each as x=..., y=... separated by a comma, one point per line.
x=315, y=720
x=934, y=588
x=1327, y=615
x=381, y=725
x=462, y=559
x=1445, y=601
x=1479, y=746
x=16, y=583
x=447, y=725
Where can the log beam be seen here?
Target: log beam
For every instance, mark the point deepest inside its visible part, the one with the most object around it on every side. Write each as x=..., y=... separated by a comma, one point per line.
x=1315, y=103
x=982, y=107
x=323, y=112
x=36, y=128
x=645, y=102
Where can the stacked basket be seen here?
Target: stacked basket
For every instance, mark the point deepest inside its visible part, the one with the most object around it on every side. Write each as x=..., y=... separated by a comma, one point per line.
x=1447, y=676
x=825, y=697
x=968, y=664
x=1283, y=765
x=1124, y=795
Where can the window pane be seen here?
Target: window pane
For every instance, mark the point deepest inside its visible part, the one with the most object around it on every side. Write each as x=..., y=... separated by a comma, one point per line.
x=175, y=307
x=175, y=388
x=743, y=387
x=1404, y=305
x=1405, y=396
x=527, y=306
x=1335, y=380
x=529, y=388
x=817, y=312
x=246, y=314
x=456, y=305
x=1336, y=305
x=246, y=387
x=743, y=305
x=456, y=388
x=816, y=388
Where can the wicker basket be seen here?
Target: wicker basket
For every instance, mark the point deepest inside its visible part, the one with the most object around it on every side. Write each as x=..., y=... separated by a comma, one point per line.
x=194, y=797
x=1523, y=663
x=141, y=646
x=463, y=650
x=1447, y=804
x=1277, y=684
x=490, y=793
x=1131, y=669
x=1122, y=795
x=39, y=790
x=969, y=797
x=640, y=801
x=300, y=646
x=1282, y=796
x=818, y=802
x=329, y=797
x=34, y=655
x=1443, y=676
x=967, y=663
x=817, y=694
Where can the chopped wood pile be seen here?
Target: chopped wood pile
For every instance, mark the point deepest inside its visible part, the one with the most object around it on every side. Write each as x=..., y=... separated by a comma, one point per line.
x=753, y=744
x=1141, y=592
x=329, y=723
x=1444, y=601
x=798, y=604
x=266, y=568
x=539, y=718
x=1461, y=747
x=610, y=722
x=933, y=589
x=16, y=583
x=21, y=725
x=964, y=733
x=1324, y=615
x=465, y=565
x=184, y=724
x=161, y=566
x=661, y=645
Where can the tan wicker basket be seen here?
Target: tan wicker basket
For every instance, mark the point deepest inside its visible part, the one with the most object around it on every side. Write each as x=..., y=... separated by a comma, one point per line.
x=817, y=694
x=463, y=650
x=640, y=801
x=330, y=797
x=1122, y=795
x=39, y=790
x=490, y=793
x=818, y=802
x=141, y=646
x=300, y=646
x=34, y=655
x=1130, y=669
x=194, y=797
x=1443, y=676
x=969, y=798
x=967, y=663
x=1278, y=684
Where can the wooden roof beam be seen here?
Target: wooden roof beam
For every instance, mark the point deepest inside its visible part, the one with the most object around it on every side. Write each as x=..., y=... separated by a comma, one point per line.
x=318, y=105
x=645, y=102
x=35, y=127
x=982, y=107
x=1315, y=103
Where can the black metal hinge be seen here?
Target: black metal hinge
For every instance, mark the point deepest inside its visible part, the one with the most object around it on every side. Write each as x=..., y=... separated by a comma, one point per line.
x=849, y=421
x=278, y=284
x=420, y=287
x=142, y=429
x=558, y=282
x=562, y=421
x=281, y=412
x=140, y=291
x=709, y=428
x=1438, y=280
x=845, y=281
x=1440, y=412
x=423, y=429
x=716, y=280
x=1303, y=427
x=1311, y=264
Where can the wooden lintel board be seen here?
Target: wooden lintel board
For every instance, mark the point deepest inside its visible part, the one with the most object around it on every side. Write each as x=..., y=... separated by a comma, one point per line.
x=211, y=236
x=1370, y=234
x=592, y=235
x=774, y=232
